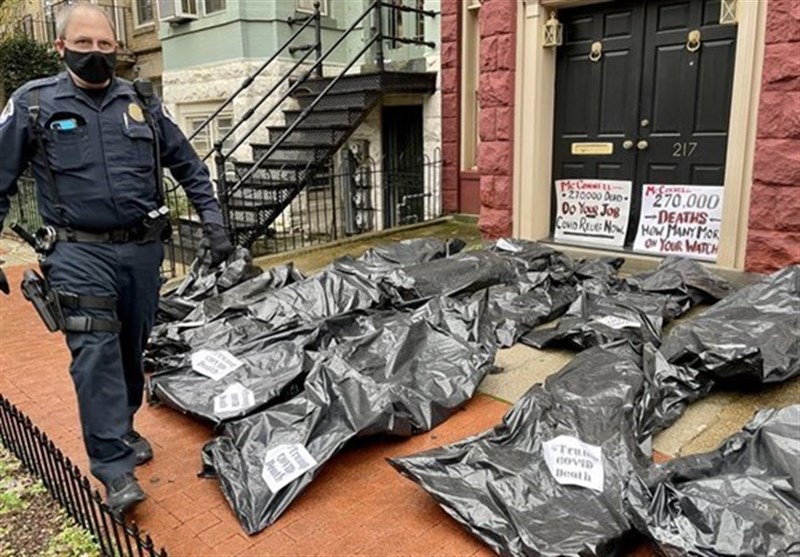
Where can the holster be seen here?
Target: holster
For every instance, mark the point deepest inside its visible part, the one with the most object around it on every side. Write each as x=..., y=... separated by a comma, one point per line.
x=49, y=303
x=157, y=226
x=45, y=300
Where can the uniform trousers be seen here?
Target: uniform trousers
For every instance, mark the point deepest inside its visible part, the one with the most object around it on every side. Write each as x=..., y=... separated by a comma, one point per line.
x=107, y=368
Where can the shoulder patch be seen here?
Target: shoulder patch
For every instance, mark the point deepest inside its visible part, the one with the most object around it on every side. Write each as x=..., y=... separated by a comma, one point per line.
x=8, y=112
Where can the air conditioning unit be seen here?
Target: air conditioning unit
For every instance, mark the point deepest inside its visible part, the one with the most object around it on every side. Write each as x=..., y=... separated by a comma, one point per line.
x=177, y=11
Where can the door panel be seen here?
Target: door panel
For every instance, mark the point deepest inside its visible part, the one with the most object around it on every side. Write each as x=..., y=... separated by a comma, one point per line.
x=685, y=95
x=672, y=103
x=597, y=101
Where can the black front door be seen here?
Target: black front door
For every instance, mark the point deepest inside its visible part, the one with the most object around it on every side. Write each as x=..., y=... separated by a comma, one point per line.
x=643, y=92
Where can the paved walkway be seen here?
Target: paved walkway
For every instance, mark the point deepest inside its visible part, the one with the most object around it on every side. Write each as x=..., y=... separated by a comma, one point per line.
x=358, y=505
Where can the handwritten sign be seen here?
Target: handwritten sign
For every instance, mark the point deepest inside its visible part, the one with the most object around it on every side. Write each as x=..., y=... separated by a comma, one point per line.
x=573, y=462
x=680, y=220
x=284, y=464
x=233, y=400
x=214, y=364
x=594, y=211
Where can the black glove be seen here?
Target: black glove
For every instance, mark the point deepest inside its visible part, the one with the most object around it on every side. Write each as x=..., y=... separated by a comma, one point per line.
x=218, y=242
x=4, y=282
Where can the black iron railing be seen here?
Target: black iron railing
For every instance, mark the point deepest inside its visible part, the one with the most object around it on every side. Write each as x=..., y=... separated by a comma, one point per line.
x=42, y=28
x=23, y=207
x=303, y=171
x=70, y=488
x=360, y=196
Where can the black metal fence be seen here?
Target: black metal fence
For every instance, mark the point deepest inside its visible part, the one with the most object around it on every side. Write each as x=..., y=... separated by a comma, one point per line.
x=356, y=196
x=24, y=208
x=70, y=488
x=42, y=27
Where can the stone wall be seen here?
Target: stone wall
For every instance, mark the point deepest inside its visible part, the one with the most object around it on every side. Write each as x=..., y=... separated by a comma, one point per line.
x=774, y=225
x=498, y=25
x=450, y=78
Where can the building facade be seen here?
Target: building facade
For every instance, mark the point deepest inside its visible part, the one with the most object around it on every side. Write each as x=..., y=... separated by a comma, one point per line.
x=136, y=22
x=211, y=46
x=696, y=103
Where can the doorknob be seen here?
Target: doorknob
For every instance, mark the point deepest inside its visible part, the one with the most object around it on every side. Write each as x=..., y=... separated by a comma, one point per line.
x=642, y=145
x=627, y=144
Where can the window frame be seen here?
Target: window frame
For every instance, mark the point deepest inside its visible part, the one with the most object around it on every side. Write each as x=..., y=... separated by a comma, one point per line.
x=215, y=12
x=323, y=7
x=141, y=25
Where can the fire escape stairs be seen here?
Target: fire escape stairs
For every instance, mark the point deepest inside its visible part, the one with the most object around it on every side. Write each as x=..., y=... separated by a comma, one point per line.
x=306, y=153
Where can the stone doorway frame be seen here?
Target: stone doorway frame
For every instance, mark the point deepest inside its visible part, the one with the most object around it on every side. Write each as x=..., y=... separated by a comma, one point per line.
x=533, y=126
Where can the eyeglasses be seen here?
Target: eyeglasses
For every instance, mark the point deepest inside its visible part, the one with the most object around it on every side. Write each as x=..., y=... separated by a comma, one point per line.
x=85, y=44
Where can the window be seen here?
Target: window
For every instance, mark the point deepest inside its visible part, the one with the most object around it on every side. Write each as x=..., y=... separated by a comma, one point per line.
x=307, y=6
x=203, y=143
x=214, y=6
x=144, y=11
x=395, y=24
x=419, y=22
x=470, y=105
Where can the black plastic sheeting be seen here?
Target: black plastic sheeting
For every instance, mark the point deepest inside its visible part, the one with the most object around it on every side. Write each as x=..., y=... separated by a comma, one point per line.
x=266, y=305
x=753, y=334
x=397, y=372
x=203, y=282
x=595, y=319
x=253, y=322
x=498, y=484
x=634, y=308
x=741, y=499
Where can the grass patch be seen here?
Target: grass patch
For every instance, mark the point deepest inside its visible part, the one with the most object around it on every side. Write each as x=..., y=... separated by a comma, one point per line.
x=31, y=522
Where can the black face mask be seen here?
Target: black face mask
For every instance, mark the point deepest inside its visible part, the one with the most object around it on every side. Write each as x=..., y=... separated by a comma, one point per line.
x=93, y=66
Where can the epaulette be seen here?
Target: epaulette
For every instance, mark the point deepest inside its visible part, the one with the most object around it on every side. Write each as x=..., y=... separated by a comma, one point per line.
x=36, y=84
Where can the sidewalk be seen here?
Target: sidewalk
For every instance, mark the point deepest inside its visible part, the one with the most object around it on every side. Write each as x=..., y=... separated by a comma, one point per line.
x=358, y=505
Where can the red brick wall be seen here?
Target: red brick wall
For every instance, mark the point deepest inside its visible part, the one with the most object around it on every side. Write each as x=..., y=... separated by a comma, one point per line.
x=774, y=227
x=451, y=102
x=498, y=25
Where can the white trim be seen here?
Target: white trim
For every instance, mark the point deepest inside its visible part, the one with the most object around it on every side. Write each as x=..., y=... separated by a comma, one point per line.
x=533, y=132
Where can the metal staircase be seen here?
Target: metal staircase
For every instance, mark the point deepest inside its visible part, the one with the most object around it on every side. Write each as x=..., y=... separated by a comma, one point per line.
x=320, y=113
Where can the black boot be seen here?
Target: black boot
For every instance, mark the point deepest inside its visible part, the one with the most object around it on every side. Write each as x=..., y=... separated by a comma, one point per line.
x=123, y=494
x=140, y=446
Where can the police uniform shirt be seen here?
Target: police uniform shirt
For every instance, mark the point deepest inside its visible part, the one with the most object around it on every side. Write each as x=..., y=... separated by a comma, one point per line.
x=102, y=156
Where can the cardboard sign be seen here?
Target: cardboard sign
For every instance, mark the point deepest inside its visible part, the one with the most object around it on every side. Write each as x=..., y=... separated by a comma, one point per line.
x=573, y=462
x=593, y=211
x=284, y=464
x=233, y=400
x=214, y=364
x=680, y=220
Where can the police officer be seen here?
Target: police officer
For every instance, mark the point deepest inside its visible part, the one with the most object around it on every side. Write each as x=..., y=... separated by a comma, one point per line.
x=91, y=141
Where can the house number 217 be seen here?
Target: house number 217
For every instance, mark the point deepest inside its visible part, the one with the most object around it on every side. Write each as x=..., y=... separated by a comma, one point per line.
x=685, y=149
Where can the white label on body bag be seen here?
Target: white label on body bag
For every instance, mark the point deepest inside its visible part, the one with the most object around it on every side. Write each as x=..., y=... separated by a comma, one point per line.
x=233, y=400
x=573, y=462
x=618, y=322
x=284, y=464
x=215, y=364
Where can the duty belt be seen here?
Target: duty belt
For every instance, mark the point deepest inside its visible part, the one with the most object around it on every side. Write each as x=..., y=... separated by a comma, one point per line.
x=110, y=237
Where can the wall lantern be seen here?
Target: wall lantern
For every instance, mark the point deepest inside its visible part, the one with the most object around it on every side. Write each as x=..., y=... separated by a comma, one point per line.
x=553, y=32
x=727, y=12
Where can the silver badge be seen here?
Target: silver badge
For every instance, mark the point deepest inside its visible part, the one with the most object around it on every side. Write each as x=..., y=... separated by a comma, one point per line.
x=8, y=112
